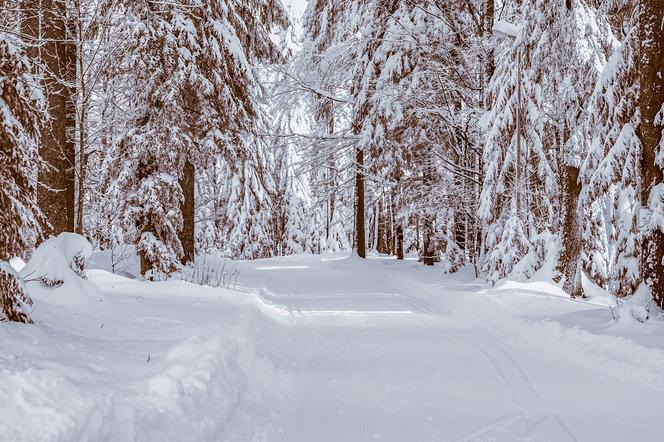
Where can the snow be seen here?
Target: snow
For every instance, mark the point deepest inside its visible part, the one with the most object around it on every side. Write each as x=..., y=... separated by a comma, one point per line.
x=329, y=347
x=504, y=28
x=55, y=272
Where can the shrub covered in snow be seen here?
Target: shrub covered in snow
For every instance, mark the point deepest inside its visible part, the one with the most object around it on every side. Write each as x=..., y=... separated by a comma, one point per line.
x=57, y=259
x=56, y=271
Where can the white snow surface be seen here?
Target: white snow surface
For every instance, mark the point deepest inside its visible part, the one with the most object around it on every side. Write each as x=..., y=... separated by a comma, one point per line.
x=329, y=348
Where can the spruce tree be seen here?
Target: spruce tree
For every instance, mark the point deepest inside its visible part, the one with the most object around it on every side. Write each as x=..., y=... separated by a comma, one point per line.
x=20, y=118
x=195, y=94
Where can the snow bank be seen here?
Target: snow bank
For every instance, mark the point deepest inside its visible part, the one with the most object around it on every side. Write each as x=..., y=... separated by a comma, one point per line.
x=58, y=259
x=188, y=394
x=56, y=274
x=614, y=355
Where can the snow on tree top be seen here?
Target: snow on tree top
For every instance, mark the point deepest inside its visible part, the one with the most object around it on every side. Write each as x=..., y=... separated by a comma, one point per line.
x=504, y=28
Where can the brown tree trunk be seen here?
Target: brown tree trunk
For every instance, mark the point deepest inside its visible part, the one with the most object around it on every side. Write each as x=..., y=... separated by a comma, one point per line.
x=381, y=233
x=360, y=241
x=57, y=53
x=652, y=96
x=489, y=13
x=399, y=240
x=187, y=237
x=144, y=170
x=569, y=266
x=55, y=194
x=428, y=249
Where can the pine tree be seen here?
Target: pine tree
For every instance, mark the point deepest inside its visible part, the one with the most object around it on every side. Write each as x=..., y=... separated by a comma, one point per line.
x=528, y=165
x=296, y=226
x=20, y=117
x=194, y=91
x=610, y=172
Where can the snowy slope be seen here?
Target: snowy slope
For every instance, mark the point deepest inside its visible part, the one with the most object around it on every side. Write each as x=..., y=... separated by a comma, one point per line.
x=329, y=348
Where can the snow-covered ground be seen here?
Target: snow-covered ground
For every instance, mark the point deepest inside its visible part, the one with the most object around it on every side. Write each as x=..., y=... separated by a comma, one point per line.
x=318, y=348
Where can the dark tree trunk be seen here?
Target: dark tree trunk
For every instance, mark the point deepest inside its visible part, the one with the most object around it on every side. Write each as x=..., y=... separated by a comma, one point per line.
x=187, y=234
x=360, y=240
x=460, y=229
x=55, y=194
x=569, y=266
x=652, y=96
x=428, y=251
x=399, y=240
x=488, y=16
x=146, y=168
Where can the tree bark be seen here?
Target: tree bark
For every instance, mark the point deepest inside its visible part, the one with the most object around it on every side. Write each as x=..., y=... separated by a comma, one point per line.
x=144, y=170
x=360, y=241
x=652, y=96
x=399, y=240
x=489, y=12
x=187, y=235
x=569, y=267
x=428, y=249
x=55, y=193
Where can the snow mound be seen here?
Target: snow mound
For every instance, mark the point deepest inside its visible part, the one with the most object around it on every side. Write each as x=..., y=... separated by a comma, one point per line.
x=635, y=307
x=57, y=258
x=56, y=274
x=188, y=394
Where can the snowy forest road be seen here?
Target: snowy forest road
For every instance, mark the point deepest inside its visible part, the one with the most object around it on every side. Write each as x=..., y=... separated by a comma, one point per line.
x=328, y=348
x=388, y=354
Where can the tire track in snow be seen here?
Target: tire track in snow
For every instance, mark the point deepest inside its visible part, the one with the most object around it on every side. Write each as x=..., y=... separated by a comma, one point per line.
x=524, y=394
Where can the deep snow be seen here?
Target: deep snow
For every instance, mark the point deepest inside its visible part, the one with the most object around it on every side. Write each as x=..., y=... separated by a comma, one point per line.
x=311, y=348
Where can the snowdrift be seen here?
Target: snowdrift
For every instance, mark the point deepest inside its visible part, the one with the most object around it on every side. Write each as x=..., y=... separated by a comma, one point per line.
x=56, y=272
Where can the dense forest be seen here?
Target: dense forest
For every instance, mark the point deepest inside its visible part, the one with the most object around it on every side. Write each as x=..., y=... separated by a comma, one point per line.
x=502, y=136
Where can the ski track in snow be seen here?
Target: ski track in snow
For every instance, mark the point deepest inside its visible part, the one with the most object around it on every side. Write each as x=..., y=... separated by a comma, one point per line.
x=326, y=349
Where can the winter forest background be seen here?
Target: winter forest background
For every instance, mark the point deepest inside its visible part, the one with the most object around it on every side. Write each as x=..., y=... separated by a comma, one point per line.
x=427, y=128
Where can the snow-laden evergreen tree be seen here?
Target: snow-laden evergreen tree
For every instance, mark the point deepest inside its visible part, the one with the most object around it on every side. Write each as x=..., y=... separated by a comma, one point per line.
x=21, y=115
x=296, y=226
x=552, y=65
x=320, y=74
x=249, y=209
x=316, y=240
x=337, y=235
x=383, y=77
x=610, y=172
x=194, y=96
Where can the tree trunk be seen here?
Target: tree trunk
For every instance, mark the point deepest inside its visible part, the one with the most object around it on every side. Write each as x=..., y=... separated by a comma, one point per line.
x=428, y=249
x=145, y=168
x=488, y=16
x=399, y=240
x=82, y=119
x=569, y=266
x=360, y=241
x=187, y=236
x=55, y=193
x=652, y=96
x=381, y=229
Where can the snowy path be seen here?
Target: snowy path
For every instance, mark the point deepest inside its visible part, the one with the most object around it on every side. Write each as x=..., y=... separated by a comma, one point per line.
x=323, y=349
x=380, y=365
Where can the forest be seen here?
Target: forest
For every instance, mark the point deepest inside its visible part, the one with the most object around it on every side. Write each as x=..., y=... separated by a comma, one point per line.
x=331, y=220
x=423, y=127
